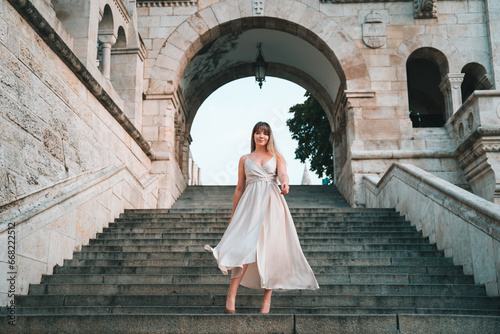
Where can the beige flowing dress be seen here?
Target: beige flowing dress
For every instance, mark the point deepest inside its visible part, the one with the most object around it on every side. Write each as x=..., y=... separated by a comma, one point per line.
x=262, y=234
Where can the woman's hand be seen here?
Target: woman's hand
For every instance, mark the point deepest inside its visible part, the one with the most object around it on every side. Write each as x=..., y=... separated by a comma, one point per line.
x=284, y=189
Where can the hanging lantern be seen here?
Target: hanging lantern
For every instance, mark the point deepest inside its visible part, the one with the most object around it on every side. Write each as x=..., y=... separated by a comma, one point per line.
x=260, y=67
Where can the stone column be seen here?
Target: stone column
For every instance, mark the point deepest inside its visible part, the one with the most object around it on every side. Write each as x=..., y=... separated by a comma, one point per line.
x=107, y=40
x=158, y=127
x=493, y=23
x=450, y=87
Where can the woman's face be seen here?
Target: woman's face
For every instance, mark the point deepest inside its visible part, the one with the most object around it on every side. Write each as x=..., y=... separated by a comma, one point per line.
x=260, y=138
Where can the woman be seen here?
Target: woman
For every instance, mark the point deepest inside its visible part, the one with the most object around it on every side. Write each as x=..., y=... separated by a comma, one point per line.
x=261, y=245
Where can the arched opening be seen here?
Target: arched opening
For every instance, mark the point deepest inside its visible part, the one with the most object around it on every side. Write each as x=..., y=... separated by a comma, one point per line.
x=475, y=78
x=231, y=57
x=188, y=69
x=121, y=39
x=106, y=39
x=221, y=129
x=425, y=69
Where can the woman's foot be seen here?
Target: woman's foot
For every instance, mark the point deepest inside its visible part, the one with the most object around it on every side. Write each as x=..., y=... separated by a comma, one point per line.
x=230, y=306
x=228, y=311
x=266, y=302
x=266, y=307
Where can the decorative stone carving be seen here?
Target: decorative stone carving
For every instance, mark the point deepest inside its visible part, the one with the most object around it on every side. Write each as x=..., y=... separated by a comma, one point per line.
x=425, y=9
x=166, y=3
x=258, y=7
x=374, y=31
x=123, y=10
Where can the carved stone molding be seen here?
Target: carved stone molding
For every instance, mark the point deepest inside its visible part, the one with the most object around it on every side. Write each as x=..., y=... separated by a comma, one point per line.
x=425, y=9
x=363, y=1
x=258, y=7
x=166, y=3
x=123, y=10
x=480, y=165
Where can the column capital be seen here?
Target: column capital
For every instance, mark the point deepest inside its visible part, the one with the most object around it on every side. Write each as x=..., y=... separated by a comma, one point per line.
x=453, y=80
x=107, y=37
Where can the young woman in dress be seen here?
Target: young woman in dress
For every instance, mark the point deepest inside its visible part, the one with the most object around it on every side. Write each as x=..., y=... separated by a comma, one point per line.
x=261, y=245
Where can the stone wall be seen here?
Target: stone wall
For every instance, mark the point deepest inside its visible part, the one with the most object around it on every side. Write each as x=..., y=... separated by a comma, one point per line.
x=68, y=166
x=465, y=226
x=375, y=129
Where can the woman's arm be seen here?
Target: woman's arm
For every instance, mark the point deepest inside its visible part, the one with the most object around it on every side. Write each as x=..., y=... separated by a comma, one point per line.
x=283, y=176
x=240, y=187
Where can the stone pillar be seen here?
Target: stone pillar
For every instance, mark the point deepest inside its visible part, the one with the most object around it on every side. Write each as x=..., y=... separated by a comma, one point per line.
x=351, y=132
x=450, y=87
x=493, y=24
x=127, y=67
x=158, y=127
x=108, y=40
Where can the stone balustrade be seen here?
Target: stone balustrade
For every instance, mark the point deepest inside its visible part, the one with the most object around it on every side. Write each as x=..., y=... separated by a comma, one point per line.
x=463, y=225
x=476, y=129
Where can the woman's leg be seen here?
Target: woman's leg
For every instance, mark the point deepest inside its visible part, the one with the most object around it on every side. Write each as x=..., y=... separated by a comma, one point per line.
x=233, y=289
x=266, y=301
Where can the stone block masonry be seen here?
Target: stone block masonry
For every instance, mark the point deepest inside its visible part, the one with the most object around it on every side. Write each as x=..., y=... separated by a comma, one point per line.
x=68, y=168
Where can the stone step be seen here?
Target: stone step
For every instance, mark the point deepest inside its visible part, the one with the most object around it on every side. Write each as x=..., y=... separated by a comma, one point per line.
x=215, y=235
x=329, y=254
x=313, y=262
x=327, y=247
x=310, y=255
x=196, y=209
x=221, y=228
x=299, y=221
x=87, y=271
x=223, y=222
x=330, y=278
x=296, y=214
x=100, y=310
x=214, y=241
x=358, y=288
x=255, y=323
x=372, y=267
x=279, y=300
x=312, y=244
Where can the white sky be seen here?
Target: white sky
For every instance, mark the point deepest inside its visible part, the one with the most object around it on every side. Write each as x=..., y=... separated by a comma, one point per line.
x=222, y=127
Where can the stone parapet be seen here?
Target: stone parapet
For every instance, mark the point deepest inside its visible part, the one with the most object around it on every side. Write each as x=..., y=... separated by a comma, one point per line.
x=476, y=130
x=462, y=224
x=50, y=224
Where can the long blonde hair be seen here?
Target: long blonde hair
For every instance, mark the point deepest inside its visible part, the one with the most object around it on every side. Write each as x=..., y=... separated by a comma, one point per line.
x=271, y=145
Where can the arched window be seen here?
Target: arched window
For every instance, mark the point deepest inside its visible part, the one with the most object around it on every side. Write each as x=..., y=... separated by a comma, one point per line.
x=106, y=39
x=475, y=79
x=425, y=69
x=121, y=40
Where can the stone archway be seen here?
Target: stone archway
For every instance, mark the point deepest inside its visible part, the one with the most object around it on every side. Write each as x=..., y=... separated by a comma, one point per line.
x=213, y=47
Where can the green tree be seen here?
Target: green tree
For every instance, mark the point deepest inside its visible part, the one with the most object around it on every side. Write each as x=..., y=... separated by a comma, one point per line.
x=310, y=127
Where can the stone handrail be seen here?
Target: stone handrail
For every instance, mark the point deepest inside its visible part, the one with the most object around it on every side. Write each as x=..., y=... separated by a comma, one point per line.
x=463, y=225
x=22, y=209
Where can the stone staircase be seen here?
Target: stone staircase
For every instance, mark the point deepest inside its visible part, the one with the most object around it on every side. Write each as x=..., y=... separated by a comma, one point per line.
x=148, y=273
